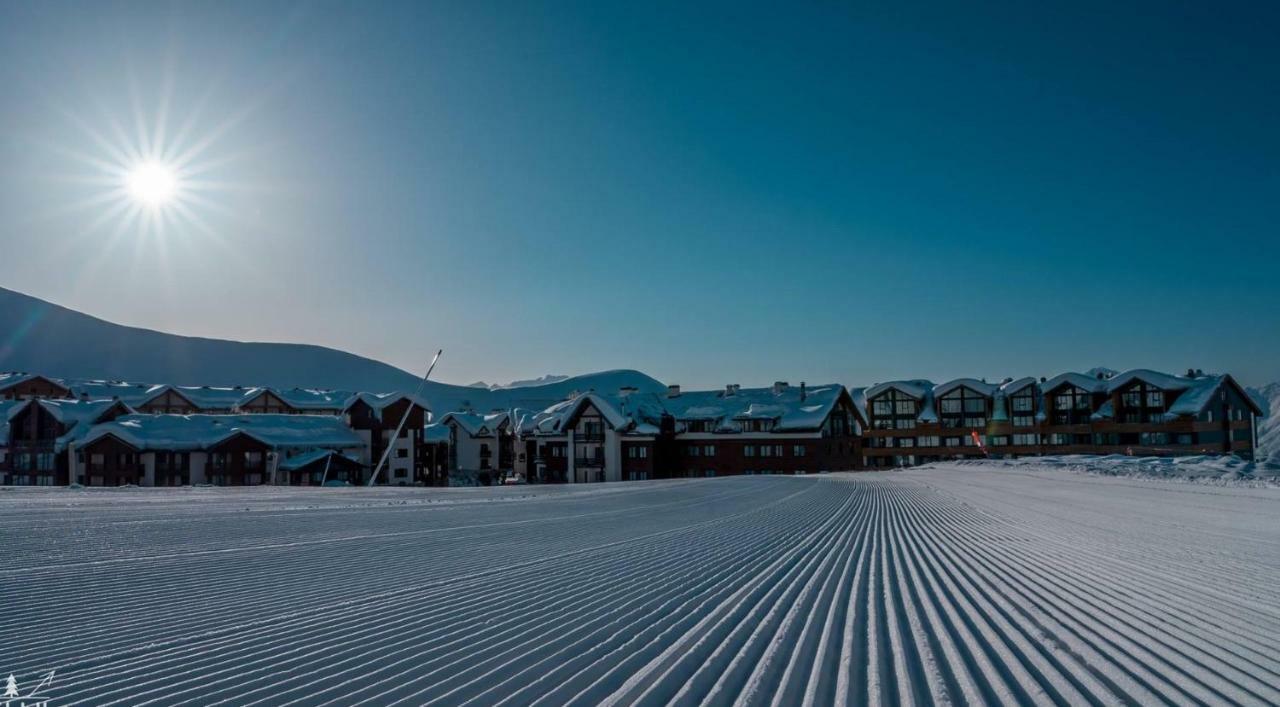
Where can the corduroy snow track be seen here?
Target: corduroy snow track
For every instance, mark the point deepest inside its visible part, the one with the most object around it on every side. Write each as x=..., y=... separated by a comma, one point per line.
x=953, y=583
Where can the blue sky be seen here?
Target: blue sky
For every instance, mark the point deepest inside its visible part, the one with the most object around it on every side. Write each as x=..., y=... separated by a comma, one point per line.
x=725, y=193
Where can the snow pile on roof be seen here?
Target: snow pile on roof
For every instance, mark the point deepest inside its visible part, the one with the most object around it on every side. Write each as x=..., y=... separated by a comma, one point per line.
x=299, y=461
x=12, y=378
x=978, y=386
x=474, y=423
x=435, y=432
x=196, y=432
x=1089, y=383
x=381, y=401
x=313, y=399
x=1225, y=469
x=913, y=388
x=786, y=406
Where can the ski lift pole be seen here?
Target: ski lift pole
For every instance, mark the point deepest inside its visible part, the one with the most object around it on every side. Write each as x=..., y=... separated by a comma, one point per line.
x=403, y=419
x=325, y=476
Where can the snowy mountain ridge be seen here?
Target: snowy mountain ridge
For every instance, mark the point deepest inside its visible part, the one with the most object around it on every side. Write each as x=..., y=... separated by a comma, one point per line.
x=56, y=341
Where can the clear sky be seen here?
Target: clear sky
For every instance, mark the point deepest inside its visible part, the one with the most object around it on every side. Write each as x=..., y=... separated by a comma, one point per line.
x=711, y=194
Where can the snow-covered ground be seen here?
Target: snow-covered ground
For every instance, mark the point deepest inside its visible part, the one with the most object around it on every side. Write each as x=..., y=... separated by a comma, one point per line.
x=973, y=582
x=1219, y=470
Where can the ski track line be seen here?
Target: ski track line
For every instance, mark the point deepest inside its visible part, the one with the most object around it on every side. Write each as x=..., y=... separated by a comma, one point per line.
x=957, y=583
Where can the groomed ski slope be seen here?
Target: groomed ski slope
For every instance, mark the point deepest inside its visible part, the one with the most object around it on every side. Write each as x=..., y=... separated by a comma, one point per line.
x=951, y=583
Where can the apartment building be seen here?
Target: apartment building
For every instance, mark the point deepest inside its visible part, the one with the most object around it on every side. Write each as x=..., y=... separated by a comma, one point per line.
x=1139, y=412
x=627, y=435
x=60, y=432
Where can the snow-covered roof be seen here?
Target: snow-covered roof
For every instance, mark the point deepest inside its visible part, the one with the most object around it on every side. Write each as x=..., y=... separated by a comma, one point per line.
x=913, y=388
x=785, y=406
x=1014, y=386
x=299, y=461
x=12, y=378
x=1079, y=380
x=475, y=423
x=196, y=432
x=313, y=399
x=380, y=401
x=1164, y=381
x=978, y=386
x=435, y=432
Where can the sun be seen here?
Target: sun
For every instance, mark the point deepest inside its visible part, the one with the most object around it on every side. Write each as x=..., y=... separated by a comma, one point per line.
x=152, y=183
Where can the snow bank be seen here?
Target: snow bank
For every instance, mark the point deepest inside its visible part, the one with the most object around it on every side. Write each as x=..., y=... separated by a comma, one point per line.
x=1230, y=470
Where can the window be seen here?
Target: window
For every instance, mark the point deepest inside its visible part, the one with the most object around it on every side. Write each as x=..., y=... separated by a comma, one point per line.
x=1023, y=421
x=950, y=405
x=975, y=422
x=1023, y=402
x=401, y=473
x=749, y=450
x=694, y=451
x=951, y=442
x=905, y=407
x=797, y=450
x=709, y=450
x=975, y=405
x=1155, y=398
x=882, y=407
x=906, y=442
x=402, y=453
x=998, y=441
x=928, y=442
x=904, y=423
x=1026, y=440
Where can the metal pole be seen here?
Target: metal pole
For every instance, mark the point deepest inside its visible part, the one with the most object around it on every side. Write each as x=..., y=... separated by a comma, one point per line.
x=373, y=479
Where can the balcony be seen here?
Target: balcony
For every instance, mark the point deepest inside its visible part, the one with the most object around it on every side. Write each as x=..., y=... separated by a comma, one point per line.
x=581, y=462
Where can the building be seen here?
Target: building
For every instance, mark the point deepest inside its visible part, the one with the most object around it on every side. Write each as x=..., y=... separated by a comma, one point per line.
x=222, y=450
x=777, y=430
x=1140, y=412
x=481, y=448
x=27, y=386
x=376, y=418
x=39, y=433
x=47, y=422
x=631, y=436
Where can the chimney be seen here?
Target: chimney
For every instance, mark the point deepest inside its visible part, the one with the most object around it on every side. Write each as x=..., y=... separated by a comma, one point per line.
x=673, y=391
x=625, y=391
x=730, y=390
x=803, y=393
x=1199, y=372
x=1191, y=373
x=779, y=387
x=1043, y=379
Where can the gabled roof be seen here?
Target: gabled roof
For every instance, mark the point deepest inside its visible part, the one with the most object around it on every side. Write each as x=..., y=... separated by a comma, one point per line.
x=913, y=388
x=9, y=380
x=1164, y=381
x=313, y=399
x=1201, y=391
x=299, y=461
x=198, y=432
x=1079, y=380
x=785, y=406
x=978, y=386
x=1014, y=386
x=380, y=401
x=476, y=424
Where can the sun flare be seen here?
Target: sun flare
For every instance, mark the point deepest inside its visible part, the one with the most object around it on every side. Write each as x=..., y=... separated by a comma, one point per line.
x=152, y=183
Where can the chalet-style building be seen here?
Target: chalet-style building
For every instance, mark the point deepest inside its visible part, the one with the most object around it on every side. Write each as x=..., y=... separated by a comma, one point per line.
x=1140, y=412
x=222, y=450
x=481, y=448
x=634, y=436
x=39, y=433
x=374, y=418
x=97, y=433
x=45, y=421
x=28, y=386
